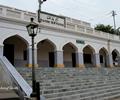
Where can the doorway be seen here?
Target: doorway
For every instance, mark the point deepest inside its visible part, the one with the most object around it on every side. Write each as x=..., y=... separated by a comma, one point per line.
x=51, y=59
x=9, y=52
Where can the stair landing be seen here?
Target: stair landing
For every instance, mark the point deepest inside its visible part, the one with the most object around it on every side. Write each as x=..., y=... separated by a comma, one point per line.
x=8, y=95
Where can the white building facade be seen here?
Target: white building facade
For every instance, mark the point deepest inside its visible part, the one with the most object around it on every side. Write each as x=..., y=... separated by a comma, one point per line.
x=60, y=42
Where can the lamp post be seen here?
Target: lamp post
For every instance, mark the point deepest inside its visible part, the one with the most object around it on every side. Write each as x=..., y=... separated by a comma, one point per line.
x=32, y=29
x=39, y=10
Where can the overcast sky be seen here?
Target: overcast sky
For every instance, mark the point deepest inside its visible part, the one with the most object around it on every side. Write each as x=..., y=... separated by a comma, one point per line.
x=93, y=11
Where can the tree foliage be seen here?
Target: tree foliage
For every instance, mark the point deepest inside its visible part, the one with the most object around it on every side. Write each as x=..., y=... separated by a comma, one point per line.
x=107, y=29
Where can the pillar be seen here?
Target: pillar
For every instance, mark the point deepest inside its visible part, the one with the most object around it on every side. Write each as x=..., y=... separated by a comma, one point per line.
x=118, y=61
x=109, y=60
x=1, y=51
x=29, y=57
x=79, y=60
x=58, y=59
x=96, y=60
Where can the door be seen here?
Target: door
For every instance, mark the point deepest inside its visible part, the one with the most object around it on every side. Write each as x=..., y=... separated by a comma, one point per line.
x=51, y=59
x=9, y=52
x=73, y=59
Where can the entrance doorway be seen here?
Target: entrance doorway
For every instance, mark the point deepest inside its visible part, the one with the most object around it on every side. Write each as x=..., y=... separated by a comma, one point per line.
x=51, y=59
x=115, y=57
x=14, y=50
x=88, y=56
x=103, y=57
x=45, y=53
x=9, y=52
x=69, y=55
x=73, y=59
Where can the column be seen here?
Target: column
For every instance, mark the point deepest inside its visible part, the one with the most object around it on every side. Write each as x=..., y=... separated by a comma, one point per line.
x=109, y=60
x=79, y=60
x=29, y=57
x=118, y=61
x=96, y=60
x=59, y=59
x=1, y=51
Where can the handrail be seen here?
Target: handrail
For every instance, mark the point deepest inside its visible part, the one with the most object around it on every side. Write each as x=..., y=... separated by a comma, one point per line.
x=5, y=81
x=18, y=79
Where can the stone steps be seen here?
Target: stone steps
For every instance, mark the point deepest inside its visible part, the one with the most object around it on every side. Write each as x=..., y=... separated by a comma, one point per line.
x=82, y=92
x=75, y=84
x=8, y=95
x=82, y=88
x=99, y=95
x=7, y=90
x=71, y=80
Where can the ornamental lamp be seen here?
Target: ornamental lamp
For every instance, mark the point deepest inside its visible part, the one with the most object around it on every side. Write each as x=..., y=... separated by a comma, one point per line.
x=32, y=28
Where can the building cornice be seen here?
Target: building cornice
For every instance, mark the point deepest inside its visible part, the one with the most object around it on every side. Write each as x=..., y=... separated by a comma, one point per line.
x=19, y=17
x=78, y=33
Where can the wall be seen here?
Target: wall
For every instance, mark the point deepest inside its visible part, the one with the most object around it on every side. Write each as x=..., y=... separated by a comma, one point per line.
x=11, y=24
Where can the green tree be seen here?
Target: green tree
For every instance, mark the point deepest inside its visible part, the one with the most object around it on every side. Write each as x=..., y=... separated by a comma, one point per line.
x=107, y=28
x=118, y=31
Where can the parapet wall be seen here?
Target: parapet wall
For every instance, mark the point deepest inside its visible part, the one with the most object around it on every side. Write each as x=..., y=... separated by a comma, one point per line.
x=70, y=23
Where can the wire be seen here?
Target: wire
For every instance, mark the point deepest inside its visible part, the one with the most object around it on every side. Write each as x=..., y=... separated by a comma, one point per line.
x=100, y=16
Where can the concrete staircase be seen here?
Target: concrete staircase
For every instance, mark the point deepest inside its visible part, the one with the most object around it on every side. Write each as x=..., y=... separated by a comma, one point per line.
x=7, y=90
x=76, y=84
x=8, y=95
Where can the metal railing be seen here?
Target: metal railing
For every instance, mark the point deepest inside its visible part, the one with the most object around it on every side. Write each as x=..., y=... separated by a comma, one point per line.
x=24, y=88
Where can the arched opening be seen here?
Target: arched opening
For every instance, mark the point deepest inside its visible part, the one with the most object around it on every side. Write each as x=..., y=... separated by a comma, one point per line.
x=103, y=57
x=45, y=50
x=88, y=56
x=69, y=55
x=15, y=50
x=115, y=55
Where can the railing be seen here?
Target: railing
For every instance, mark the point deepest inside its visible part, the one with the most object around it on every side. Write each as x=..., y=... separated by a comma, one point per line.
x=23, y=87
x=16, y=13
x=5, y=81
x=72, y=24
x=77, y=22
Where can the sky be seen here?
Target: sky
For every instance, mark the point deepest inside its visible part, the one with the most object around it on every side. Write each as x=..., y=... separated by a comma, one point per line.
x=92, y=11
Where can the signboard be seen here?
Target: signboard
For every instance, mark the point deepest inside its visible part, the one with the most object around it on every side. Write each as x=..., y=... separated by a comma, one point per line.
x=80, y=41
x=52, y=19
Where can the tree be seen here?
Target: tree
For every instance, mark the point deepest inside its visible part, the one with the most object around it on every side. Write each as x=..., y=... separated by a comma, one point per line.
x=118, y=31
x=104, y=28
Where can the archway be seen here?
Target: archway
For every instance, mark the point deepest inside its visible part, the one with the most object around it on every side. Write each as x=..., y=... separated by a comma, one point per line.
x=115, y=55
x=45, y=50
x=69, y=55
x=103, y=57
x=88, y=56
x=15, y=50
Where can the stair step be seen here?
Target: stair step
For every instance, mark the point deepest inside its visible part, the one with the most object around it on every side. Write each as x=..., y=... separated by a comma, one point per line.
x=75, y=84
x=9, y=95
x=90, y=88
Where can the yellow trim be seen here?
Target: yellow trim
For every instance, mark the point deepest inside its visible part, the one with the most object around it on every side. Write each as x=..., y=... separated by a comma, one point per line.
x=30, y=65
x=98, y=66
x=80, y=65
x=59, y=65
x=110, y=66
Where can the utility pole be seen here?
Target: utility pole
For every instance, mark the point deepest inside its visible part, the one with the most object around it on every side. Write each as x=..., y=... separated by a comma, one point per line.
x=114, y=14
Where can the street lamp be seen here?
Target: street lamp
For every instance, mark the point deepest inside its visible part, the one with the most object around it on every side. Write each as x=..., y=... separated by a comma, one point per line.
x=39, y=10
x=32, y=29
